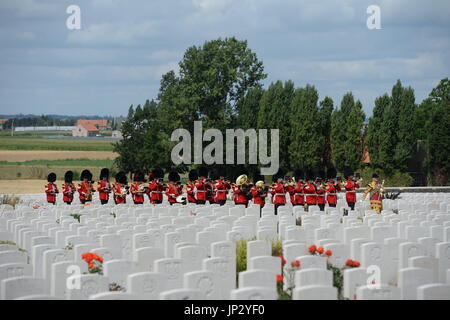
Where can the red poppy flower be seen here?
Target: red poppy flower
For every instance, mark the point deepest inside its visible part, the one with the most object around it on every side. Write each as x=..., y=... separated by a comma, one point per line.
x=320, y=250
x=295, y=264
x=279, y=278
x=91, y=265
x=283, y=260
x=349, y=263
x=328, y=253
x=356, y=264
x=312, y=249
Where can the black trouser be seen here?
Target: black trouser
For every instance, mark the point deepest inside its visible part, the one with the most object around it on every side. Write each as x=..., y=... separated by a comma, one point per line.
x=221, y=202
x=351, y=205
x=241, y=204
x=103, y=201
x=68, y=202
x=192, y=201
x=83, y=201
x=332, y=205
x=276, y=207
x=138, y=202
x=157, y=202
x=201, y=201
x=321, y=206
x=52, y=202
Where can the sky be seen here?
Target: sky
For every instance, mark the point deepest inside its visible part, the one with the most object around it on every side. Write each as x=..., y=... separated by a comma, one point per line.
x=118, y=56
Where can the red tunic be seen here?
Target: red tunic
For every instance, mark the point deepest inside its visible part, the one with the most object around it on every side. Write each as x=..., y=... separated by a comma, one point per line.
x=104, y=188
x=320, y=195
x=310, y=191
x=201, y=190
x=86, y=189
x=120, y=196
x=172, y=192
x=350, y=187
x=298, y=194
x=331, y=193
x=239, y=196
x=258, y=198
x=156, y=191
x=51, y=190
x=221, y=190
x=190, y=192
x=279, y=194
x=68, y=191
x=138, y=196
x=290, y=189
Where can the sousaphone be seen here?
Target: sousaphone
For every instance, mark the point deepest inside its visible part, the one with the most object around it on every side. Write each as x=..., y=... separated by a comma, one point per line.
x=242, y=179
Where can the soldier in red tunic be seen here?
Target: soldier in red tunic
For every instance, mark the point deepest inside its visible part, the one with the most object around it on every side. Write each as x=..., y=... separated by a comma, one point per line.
x=350, y=186
x=51, y=189
x=190, y=186
x=241, y=194
x=259, y=192
x=86, y=187
x=138, y=188
x=290, y=188
x=310, y=190
x=201, y=186
x=221, y=187
x=173, y=190
x=332, y=188
x=69, y=188
x=320, y=192
x=104, y=187
x=121, y=188
x=157, y=186
x=278, y=191
x=299, y=197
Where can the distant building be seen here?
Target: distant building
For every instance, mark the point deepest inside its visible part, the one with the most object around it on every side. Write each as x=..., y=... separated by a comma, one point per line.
x=44, y=128
x=89, y=128
x=2, y=122
x=100, y=124
x=117, y=134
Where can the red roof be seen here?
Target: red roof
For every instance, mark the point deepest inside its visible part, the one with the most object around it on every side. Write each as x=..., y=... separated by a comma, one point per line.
x=3, y=120
x=100, y=123
x=89, y=127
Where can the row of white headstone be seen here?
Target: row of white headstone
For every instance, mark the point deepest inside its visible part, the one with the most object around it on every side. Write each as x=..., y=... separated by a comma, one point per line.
x=189, y=252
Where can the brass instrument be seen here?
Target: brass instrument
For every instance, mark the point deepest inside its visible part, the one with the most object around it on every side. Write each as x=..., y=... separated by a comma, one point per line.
x=143, y=188
x=242, y=179
x=382, y=190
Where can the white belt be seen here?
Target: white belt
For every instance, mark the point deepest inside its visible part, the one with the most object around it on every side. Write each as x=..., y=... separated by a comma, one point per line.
x=332, y=194
x=156, y=191
x=299, y=194
x=221, y=191
x=201, y=190
x=280, y=194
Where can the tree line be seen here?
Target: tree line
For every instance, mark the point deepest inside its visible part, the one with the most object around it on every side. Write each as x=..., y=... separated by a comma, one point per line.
x=219, y=83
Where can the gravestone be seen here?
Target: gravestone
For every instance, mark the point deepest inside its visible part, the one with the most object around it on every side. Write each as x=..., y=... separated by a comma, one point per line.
x=147, y=285
x=314, y=292
x=205, y=281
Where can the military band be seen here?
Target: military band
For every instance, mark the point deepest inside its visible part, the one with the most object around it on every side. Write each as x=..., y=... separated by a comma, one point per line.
x=303, y=189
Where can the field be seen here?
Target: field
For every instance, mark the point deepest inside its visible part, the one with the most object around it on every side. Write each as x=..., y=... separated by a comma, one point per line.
x=37, y=143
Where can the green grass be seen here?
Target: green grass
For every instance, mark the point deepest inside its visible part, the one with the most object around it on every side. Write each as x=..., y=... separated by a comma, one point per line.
x=7, y=133
x=104, y=163
x=29, y=143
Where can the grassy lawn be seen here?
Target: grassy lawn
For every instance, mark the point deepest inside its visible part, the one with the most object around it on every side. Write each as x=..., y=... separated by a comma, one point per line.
x=36, y=143
x=66, y=163
x=7, y=133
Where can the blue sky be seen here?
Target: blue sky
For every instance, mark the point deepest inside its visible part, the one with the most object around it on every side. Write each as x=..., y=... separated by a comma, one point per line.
x=123, y=48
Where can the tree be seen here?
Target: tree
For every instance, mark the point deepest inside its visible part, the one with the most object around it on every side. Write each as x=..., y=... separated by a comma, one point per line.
x=373, y=139
x=438, y=135
x=353, y=148
x=305, y=149
x=325, y=112
x=339, y=123
x=406, y=131
x=249, y=108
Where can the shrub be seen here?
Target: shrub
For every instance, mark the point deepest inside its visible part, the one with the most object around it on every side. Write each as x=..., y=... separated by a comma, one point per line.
x=394, y=179
x=12, y=200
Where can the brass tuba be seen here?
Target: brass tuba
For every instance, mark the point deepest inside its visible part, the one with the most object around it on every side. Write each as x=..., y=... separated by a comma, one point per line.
x=242, y=179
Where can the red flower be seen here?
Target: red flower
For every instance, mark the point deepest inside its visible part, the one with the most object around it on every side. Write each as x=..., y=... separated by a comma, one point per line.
x=312, y=249
x=88, y=257
x=356, y=264
x=91, y=265
x=295, y=264
x=279, y=278
x=283, y=260
x=349, y=263
x=328, y=253
x=320, y=250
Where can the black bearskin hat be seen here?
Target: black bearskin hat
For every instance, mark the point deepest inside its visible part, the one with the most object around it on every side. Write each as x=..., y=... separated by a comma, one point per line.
x=51, y=177
x=299, y=175
x=280, y=174
x=331, y=173
x=257, y=177
x=320, y=175
x=138, y=176
x=222, y=172
x=104, y=173
x=86, y=174
x=375, y=175
x=193, y=175
x=121, y=177
x=309, y=175
x=68, y=176
x=348, y=172
x=214, y=174
x=158, y=173
x=203, y=172
x=174, y=176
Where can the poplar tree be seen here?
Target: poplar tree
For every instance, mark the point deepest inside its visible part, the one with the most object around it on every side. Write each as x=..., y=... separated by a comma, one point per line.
x=373, y=138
